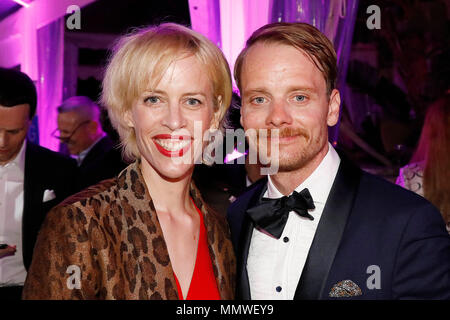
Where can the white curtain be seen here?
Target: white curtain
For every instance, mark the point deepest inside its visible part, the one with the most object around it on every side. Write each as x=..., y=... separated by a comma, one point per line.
x=228, y=23
x=50, y=41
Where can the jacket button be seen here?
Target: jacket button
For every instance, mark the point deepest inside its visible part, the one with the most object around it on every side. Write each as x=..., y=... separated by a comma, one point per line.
x=278, y=289
x=286, y=239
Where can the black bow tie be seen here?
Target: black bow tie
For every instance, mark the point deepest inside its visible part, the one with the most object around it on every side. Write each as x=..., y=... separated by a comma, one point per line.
x=272, y=214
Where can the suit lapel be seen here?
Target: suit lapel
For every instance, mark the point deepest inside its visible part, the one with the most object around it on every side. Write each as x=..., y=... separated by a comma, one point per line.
x=31, y=202
x=243, y=287
x=329, y=232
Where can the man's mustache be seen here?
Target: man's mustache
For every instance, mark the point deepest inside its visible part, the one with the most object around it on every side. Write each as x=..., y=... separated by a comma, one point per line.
x=283, y=133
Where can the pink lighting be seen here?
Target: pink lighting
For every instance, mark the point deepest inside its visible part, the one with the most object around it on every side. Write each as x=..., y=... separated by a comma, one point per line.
x=22, y=3
x=238, y=20
x=233, y=156
x=231, y=26
x=27, y=39
x=205, y=18
x=228, y=23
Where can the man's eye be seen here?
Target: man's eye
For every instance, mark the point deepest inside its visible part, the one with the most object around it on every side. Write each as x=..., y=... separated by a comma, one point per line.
x=300, y=98
x=14, y=131
x=152, y=99
x=259, y=100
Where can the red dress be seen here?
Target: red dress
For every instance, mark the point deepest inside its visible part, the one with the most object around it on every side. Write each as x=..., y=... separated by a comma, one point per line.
x=203, y=283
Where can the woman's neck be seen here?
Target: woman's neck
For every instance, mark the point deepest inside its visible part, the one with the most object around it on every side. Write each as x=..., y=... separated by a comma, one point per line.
x=169, y=196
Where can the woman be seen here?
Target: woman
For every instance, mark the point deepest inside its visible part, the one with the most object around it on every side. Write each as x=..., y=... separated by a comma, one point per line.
x=428, y=172
x=146, y=234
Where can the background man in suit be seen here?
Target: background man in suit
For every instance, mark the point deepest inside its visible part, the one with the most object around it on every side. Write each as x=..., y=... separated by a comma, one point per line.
x=32, y=180
x=341, y=233
x=80, y=129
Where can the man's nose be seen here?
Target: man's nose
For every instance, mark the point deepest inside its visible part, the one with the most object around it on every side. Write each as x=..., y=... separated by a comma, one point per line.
x=278, y=114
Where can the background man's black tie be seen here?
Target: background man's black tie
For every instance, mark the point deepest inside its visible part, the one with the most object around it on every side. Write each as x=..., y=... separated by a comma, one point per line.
x=271, y=214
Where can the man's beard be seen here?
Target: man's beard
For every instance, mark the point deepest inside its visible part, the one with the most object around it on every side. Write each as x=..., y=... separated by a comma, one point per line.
x=300, y=158
x=295, y=158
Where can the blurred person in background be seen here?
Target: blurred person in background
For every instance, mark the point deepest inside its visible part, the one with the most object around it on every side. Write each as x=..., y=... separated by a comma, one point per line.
x=79, y=127
x=33, y=179
x=428, y=172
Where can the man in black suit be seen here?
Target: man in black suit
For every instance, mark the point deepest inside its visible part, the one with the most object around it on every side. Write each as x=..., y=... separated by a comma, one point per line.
x=319, y=227
x=32, y=180
x=80, y=129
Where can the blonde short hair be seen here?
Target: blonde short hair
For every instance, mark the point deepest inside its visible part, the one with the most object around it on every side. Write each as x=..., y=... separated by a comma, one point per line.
x=140, y=59
x=302, y=36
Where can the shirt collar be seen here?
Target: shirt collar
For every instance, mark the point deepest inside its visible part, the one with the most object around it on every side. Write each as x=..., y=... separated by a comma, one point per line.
x=319, y=183
x=19, y=160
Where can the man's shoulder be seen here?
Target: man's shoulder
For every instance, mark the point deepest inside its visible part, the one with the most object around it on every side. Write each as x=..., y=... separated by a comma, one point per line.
x=42, y=155
x=106, y=153
x=241, y=203
x=382, y=200
x=392, y=194
x=378, y=192
x=104, y=145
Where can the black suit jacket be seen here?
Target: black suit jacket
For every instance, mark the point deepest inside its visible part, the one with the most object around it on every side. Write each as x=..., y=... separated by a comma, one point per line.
x=220, y=184
x=44, y=170
x=366, y=223
x=103, y=161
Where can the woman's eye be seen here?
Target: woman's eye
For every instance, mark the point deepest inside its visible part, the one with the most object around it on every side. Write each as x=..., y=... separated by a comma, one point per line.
x=193, y=102
x=152, y=99
x=300, y=98
x=258, y=100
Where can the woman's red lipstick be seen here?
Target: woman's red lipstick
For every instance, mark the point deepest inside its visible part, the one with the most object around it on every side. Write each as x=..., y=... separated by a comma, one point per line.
x=171, y=138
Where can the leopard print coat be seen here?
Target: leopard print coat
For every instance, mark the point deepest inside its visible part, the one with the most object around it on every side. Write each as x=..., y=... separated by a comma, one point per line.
x=110, y=233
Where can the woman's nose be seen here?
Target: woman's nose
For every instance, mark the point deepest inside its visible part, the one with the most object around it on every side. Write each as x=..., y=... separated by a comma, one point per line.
x=174, y=118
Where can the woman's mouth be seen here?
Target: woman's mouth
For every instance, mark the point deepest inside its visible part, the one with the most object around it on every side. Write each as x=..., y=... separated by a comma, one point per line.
x=172, y=146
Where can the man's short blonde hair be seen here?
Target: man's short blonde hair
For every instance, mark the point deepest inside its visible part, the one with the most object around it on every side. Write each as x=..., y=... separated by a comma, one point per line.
x=301, y=36
x=139, y=61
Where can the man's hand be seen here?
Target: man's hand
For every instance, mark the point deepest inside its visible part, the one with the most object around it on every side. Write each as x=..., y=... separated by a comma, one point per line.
x=8, y=251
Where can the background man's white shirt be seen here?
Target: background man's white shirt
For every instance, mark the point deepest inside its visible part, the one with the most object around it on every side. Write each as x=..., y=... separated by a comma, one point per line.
x=12, y=269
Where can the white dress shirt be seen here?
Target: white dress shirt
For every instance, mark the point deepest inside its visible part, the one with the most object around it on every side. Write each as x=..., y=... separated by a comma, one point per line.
x=12, y=269
x=274, y=266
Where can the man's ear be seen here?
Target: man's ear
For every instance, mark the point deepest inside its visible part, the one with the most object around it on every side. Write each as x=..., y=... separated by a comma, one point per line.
x=334, y=105
x=28, y=124
x=93, y=126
